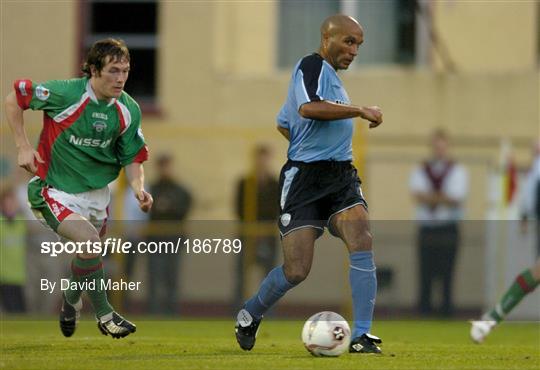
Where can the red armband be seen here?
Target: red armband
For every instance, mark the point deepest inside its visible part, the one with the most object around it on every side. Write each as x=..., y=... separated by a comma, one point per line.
x=142, y=155
x=23, y=90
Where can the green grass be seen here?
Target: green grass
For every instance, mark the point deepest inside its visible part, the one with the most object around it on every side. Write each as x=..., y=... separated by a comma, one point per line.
x=211, y=345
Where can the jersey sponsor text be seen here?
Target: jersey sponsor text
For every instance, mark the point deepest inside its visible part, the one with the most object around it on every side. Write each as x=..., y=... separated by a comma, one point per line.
x=89, y=142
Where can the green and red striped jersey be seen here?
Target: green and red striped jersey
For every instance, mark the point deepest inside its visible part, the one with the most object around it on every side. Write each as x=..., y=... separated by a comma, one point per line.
x=84, y=141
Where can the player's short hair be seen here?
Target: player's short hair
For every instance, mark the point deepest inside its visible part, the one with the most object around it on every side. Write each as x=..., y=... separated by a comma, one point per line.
x=440, y=133
x=101, y=50
x=262, y=149
x=164, y=159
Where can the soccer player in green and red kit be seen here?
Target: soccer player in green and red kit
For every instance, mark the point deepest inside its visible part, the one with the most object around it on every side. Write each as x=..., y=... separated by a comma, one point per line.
x=91, y=130
x=529, y=279
x=524, y=283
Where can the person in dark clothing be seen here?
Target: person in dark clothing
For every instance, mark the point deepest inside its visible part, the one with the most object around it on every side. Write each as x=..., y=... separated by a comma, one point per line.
x=12, y=253
x=257, y=200
x=172, y=203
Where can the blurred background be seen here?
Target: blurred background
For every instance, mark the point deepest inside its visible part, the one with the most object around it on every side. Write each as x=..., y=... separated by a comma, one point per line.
x=210, y=77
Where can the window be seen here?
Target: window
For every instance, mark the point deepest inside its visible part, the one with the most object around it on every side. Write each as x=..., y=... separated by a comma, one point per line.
x=406, y=31
x=389, y=25
x=299, y=23
x=135, y=22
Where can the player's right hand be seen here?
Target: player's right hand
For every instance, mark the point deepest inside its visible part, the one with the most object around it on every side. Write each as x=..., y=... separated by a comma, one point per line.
x=27, y=158
x=145, y=200
x=373, y=114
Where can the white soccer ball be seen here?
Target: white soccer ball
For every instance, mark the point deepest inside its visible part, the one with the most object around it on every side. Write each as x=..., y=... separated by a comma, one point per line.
x=326, y=334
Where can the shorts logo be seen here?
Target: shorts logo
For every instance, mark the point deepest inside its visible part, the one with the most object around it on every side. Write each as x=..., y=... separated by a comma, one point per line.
x=57, y=210
x=286, y=219
x=42, y=93
x=99, y=126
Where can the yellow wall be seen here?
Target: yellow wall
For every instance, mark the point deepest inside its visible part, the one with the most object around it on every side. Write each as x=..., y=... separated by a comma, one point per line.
x=244, y=36
x=489, y=36
x=38, y=42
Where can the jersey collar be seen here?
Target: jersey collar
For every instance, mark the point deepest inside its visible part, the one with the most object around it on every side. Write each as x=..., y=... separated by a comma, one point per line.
x=328, y=64
x=93, y=97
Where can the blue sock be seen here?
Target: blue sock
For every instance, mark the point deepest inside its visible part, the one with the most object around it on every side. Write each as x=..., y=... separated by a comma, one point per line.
x=364, y=289
x=273, y=287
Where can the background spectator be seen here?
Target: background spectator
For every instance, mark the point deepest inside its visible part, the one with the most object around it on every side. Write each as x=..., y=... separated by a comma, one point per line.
x=439, y=187
x=257, y=200
x=172, y=202
x=12, y=252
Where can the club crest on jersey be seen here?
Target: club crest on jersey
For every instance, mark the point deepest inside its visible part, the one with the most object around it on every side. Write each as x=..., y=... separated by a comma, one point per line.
x=42, y=93
x=286, y=219
x=99, y=126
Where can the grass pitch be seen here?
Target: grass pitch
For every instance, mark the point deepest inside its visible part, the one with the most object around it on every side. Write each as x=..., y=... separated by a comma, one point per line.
x=157, y=344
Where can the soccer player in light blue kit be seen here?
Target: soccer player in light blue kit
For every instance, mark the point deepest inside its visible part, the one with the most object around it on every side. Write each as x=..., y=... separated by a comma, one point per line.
x=319, y=185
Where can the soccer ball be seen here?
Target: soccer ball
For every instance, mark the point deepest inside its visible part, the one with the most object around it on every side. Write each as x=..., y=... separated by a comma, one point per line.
x=326, y=334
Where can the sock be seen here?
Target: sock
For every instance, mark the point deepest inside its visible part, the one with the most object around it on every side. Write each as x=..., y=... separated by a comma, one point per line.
x=523, y=285
x=273, y=287
x=91, y=271
x=364, y=289
x=73, y=294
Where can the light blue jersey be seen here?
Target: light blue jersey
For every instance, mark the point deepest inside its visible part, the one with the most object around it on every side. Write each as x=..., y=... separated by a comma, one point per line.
x=314, y=79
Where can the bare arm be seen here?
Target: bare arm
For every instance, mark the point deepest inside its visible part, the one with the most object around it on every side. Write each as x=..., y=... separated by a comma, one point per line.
x=283, y=131
x=26, y=153
x=135, y=175
x=327, y=111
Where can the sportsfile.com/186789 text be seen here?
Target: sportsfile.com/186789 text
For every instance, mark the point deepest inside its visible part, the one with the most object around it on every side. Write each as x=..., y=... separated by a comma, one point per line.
x=117, y=245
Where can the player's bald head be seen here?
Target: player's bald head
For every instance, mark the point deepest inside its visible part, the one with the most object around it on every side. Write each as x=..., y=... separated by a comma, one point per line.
x=341, y=36
x=338, y=23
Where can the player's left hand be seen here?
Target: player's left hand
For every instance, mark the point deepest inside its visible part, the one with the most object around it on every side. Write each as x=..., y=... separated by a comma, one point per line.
x=378, y=115
x=145, y=200
x=373, y=114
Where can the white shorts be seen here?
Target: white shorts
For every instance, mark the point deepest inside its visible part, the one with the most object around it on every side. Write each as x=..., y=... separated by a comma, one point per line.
x=52, y=206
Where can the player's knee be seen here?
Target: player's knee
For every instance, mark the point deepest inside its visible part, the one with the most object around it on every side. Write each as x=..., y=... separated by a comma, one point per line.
x=88, y=253
x=296, y=275
x=93, y=238
x=296, y=278
x=362, y=242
